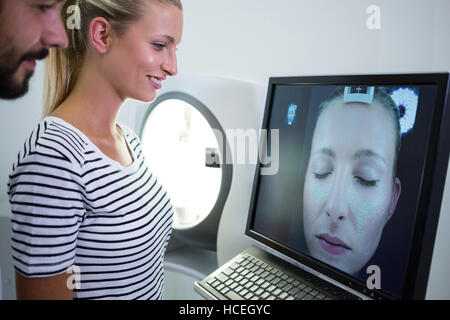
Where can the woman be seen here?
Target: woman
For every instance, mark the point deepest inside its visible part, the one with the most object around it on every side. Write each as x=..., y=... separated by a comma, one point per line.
x=351, y=189
x=89, y=219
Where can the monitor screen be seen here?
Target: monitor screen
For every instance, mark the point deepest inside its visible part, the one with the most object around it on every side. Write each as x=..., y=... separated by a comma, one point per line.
x=351, y=154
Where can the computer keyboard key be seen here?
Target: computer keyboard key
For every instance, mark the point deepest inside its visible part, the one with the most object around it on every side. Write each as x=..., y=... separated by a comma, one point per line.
x=314, y=293
x=220, y=287
x=283, y=295
x=259, y=271
x=234, y=266
x=215, y=283
x=228, y=271
x=321, y=296
x=300, y=295
x=240, y=259
x=255, y=278
x=308, y=297
x=287, y=287
x=238, y=289
x=264, y=295
x=249, y=296
x=254, y=288
x=281, y=284
x=233, y=295
x=259, y=292
x=271, y=288
x=275, y=280
x=222, y=277
x=228, y=282
x=244, y=263
x=276, y=292
x=293, y=291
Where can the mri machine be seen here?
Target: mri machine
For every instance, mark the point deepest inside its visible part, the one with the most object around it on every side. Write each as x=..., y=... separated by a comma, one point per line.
x=192, y=127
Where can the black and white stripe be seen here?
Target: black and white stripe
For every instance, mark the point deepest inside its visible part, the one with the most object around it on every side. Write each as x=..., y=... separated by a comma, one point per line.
x=72, y=205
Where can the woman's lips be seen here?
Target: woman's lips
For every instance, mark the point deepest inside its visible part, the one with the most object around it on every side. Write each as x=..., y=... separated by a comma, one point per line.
x=156, y=85
x=332, y=245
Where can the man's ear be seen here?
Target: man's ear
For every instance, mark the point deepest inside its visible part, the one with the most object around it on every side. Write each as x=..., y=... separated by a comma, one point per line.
x=100, y=34
x=396, y=190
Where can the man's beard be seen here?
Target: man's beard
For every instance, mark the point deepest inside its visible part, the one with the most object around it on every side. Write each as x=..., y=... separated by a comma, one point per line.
x=9, y=87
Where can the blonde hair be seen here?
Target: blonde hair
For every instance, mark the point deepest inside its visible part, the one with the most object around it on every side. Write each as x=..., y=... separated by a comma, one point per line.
x=64, y=65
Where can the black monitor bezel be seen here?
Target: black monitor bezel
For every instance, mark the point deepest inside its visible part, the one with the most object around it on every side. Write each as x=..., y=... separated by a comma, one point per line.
x=431, y=190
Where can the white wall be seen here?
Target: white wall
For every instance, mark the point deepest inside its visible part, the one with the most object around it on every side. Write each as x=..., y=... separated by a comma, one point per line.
x=253, y=39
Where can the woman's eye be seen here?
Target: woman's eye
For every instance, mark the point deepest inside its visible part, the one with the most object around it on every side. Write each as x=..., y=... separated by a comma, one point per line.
x=321, y=175
x=159, y=46
x=366, y=183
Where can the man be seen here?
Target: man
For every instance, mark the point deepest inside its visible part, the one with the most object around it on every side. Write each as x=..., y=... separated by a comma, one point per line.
x=28, y=28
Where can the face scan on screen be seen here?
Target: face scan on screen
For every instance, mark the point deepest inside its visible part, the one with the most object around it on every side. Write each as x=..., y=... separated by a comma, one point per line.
x=351, y=189
x=351, y=159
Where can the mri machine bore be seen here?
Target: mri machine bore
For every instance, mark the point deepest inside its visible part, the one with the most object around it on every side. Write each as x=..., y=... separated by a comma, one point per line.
x=187, y=138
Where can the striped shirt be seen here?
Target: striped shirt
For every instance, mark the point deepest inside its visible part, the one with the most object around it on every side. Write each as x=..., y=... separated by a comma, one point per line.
x=72, y=206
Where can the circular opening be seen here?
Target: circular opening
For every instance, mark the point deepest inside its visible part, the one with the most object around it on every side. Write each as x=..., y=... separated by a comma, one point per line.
x=182, y=151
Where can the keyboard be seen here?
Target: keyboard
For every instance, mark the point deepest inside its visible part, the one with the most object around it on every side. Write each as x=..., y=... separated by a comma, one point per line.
x=249, y=278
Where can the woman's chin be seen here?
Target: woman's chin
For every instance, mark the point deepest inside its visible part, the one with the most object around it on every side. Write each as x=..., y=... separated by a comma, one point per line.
x=146, y=98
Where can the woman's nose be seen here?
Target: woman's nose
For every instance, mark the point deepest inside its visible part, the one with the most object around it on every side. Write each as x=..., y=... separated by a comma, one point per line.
x=171, y=65
x=337, y=207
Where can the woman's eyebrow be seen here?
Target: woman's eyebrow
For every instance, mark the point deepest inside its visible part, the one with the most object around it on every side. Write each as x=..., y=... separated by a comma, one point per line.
x=326, y=151
x=367, y=153
x=169, y=39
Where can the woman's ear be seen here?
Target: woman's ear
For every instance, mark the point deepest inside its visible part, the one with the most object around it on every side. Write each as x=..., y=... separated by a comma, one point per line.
x=100, y=34
x=396, y=190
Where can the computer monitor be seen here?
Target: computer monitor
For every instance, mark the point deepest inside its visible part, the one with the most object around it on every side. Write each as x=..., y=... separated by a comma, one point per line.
x=362, y=161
